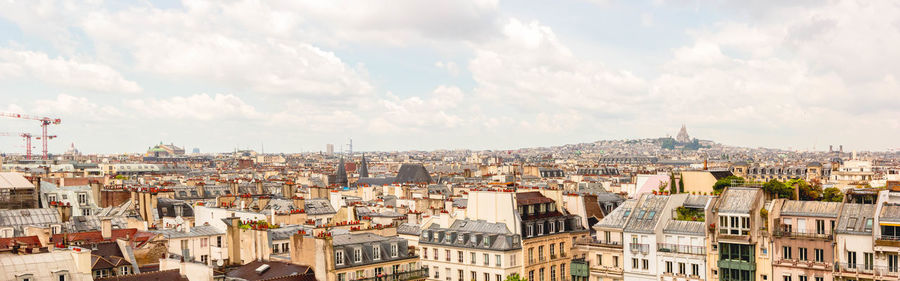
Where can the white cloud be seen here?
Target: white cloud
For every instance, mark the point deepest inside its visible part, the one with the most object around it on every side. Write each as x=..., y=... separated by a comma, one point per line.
x=449, y=66
x=195, y=107
x=63, y=72
x=65, y=106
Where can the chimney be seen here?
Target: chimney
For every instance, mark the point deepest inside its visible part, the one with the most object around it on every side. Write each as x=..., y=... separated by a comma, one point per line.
x=106, y=228
x=233, y=235
x=95, y=190
x=288, y=189
x=233, y=185
x=259, y=187
x=201, y=189
x=299, y=203
x=841, y=148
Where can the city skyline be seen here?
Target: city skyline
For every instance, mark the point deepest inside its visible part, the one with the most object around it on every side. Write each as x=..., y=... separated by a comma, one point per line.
x=398, y=76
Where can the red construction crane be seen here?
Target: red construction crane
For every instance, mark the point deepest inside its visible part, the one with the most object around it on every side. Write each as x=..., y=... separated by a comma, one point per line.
x=27, y=137
x=44, y=122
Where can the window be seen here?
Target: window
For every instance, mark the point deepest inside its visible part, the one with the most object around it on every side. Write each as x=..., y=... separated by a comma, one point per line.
x=204, y=242
x=82, y=199
x=695, y=269
x=530, y=255
x=552, y=227
x=541, y=252
x=437, y=273
x=540, y=229
x=820, y=255
x=820, y=226
x=531, y=275
x=497, y=260
x=394, y=250
x=435, y=254
x=634, y=263
x=51, y=197
x=204, y=259
x=497, y=277
x=339, y=258
x=820, y=278
x=447, y=255
x=553, y=273
x=668, y=267
x=562, y=249
x=124, y=270
x=562, y=271
x=803, y=278
x=460, y=275
x=376, y=252
x=472, y=255
x=646, y=264
x=357, y=255
x=786, y=252
x=424, y=253
x=892, y=263
x=787, y=278
x=474, y=276
x=851, y=259
x=541, y=274
x=599, y=259
x=219, y=241
x=530, y=231
x=552, y=250
x=342, y=277
x=867, y=259
x=802, y=253
x=681, y=268
x=487, y=276
x=487, y=259
x=616, y=261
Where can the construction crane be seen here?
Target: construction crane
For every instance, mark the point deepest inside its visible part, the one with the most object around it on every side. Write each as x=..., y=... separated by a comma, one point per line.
x=27, y=137
x=45, y=121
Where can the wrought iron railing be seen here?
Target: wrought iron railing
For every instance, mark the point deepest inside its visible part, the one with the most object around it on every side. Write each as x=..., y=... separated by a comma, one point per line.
x=797, y=234
x=399, y=276
x=643, y=248
x=682, y=249
x=889, y=271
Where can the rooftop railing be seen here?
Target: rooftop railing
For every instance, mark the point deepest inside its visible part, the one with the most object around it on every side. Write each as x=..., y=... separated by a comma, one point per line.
x=399, y=276
x=681, y=249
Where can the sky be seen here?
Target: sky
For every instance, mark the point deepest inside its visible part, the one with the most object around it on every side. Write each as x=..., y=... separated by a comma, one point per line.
x=295, y=75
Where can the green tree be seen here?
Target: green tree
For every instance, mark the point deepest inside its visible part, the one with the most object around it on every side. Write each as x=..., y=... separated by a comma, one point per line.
x=725, y=182
x=672, y=189
x=832, y=194
x=778, y=189
x=808, y=192
x=681, y=184
x=515, y=277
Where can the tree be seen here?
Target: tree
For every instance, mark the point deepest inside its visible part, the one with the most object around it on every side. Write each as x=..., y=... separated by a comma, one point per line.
x=778, y=189
x=681, y=184
x=808, y=192
x=725, y=182
x=515, y=277
x=832, y=194
x=672, y=188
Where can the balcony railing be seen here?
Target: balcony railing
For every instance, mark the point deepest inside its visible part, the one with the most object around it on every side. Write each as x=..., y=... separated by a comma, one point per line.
x=888, y=237
x=804, y=263
x=797, y=234
x=399, y=276
x=682, y=249
x=873, y=270
x=643, y=248
x=596, y=242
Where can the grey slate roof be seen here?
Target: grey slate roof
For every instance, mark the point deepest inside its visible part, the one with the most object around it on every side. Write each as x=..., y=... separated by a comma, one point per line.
x=696, y=201
x=645, y=216
x=348, y=243
x=413, y=173
x=685, y=227
x=738, y=199
x=476, y=234
x=618, y=217
x=811, y=209
x=319, y=206
x=853, y=219
x=23, y=217
x=202, y=230
x=284, y=233
x=889, y=213
x=410, y=229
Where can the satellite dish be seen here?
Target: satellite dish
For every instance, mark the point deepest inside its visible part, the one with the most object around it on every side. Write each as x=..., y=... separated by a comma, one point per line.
x=220, y=262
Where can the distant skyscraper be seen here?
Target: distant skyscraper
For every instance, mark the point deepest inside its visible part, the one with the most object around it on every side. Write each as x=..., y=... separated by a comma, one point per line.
x=683, y=135
x=196, y=150
x=329, y=148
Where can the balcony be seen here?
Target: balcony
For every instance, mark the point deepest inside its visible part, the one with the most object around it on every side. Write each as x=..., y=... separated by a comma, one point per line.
x=602, y=243
x=806, y=235
x=887, y=240
x=845, y=269
x=821, y=265
x=418, y=274
x=681, y=249
x=642, y=248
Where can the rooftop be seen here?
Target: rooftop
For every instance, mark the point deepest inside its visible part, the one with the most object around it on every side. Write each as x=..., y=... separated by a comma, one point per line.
x=811, y=209
x=738, y=200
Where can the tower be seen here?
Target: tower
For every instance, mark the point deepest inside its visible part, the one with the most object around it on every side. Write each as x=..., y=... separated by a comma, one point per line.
x=341, y=177
x=683, y=136
x=363, y=167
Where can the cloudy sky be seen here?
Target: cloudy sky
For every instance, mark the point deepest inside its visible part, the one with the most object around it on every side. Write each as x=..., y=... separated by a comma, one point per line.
x=295, y=75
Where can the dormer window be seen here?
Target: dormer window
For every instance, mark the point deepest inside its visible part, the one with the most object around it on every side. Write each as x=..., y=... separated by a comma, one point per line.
x=552, y=227
x=394, y=250
x=487, y=241
x=376, y=252
x=357, y=255
x=339, y=258
x=543, y=208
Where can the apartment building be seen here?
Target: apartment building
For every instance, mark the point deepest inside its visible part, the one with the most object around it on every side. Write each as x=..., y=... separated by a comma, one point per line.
x=603, y=254
x=682, y=249
x=853, y=240
x=803, y=235
x=548, y=235
x=470, y=250
x=739, y=246
x=884, y=262
x=357, y=256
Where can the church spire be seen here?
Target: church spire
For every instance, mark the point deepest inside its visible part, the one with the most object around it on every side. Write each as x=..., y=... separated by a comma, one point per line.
x=341, y=177
x=363, y=167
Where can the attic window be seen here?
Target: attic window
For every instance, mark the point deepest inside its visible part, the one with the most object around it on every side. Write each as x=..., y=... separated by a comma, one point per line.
x=650, y=215
x=487, y=241
x=869, y=224
x=850, y=223
x=627, y=212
